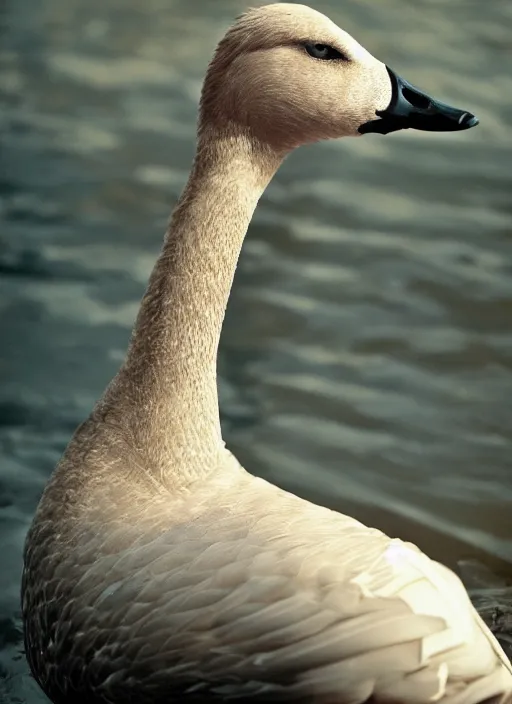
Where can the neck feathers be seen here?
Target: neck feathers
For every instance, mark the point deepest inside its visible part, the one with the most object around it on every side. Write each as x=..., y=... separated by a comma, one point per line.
x=166, y=391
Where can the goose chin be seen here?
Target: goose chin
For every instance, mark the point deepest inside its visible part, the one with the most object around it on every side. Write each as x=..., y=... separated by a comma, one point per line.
x=411, y=108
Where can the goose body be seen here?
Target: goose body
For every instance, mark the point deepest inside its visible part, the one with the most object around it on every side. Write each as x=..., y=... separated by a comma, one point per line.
x=157, y=570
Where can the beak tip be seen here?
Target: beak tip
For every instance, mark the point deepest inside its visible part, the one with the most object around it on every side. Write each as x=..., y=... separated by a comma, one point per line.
x=468, y=120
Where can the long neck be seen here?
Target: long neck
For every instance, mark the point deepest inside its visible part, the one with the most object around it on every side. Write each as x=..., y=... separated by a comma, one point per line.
x=166, y=391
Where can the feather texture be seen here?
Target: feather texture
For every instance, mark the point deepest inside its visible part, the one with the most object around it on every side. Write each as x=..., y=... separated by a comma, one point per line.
x=261, y=596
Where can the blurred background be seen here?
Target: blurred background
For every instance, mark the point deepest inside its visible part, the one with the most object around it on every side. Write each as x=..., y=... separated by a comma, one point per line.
x=366, y=360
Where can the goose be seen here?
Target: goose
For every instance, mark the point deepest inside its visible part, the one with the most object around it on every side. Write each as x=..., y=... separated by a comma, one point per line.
x=157, y=570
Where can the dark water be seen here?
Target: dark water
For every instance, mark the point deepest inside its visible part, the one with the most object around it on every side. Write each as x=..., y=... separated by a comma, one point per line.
x=367, y=354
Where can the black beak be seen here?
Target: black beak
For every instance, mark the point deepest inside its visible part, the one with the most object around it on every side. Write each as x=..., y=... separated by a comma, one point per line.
x=411, y=108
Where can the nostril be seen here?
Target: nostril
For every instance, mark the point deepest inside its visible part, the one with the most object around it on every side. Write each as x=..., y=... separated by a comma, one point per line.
x=417, y=99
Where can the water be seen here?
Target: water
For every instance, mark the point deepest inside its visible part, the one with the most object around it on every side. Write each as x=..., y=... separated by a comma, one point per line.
x=366, y=360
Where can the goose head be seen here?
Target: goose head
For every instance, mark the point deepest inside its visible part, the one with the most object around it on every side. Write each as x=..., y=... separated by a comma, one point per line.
x=289, y=76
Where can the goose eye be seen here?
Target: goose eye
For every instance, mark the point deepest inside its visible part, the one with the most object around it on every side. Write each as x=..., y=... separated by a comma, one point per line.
x=323, y=51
